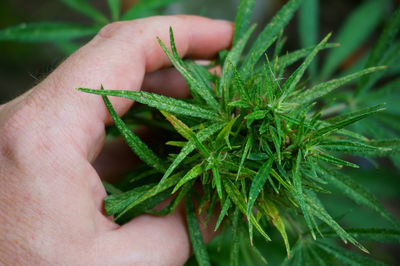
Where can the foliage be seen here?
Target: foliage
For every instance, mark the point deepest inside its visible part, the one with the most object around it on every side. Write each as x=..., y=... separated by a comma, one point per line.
x=265, y=147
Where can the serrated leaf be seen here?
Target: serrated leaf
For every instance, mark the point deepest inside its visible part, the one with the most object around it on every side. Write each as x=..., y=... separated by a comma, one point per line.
x=160, y=102
x=371, y=234
x=196, y=238
x=357, y=193
x=234, y=254
x=268, y=35
x=134, y=142
x=246, y=150
x=224, y=134
x=298, y=190
x=163, y=189
x=83, y=7
x=238, y=200
x=291, y=83
x=47, y=32
x=347, y=257
x=318, y=210
x=223, y=213
x=327, y=87
x=193, y=173
x=194, y=84
x=190, y=146
x=340, y=122
x=257, y=184
x=272, y=212
x=117, y=203
x=336, y=161
x=292, y=57
x=243, y=15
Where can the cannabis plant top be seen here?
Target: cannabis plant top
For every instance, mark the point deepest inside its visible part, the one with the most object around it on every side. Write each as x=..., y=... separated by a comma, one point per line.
x=256, y=140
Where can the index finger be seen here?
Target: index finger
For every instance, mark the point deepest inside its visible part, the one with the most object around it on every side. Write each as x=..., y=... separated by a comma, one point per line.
x=118, y=57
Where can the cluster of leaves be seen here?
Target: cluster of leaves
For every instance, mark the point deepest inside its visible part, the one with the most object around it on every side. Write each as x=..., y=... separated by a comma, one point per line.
x=63, y=34
x=352, y=38
x=257, y=143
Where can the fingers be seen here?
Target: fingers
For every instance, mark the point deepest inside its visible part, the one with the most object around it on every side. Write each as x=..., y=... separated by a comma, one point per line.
x=118, y=57
x=152, y=240
x=168, y=82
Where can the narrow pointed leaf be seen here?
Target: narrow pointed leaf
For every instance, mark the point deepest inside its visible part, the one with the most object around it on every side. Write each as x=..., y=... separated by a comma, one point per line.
x=298, y=189
x=196, y=238
x=134, y=142
x=257, y=184
x=245, y=9
x=237, y=198
x=358, y=193
x=190, y=146
x=268, y=35
x=158, y=101
x=224, y=211
x=323, y=89
x=193, y=173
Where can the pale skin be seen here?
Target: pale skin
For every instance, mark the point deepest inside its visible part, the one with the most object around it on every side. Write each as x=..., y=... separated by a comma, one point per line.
x=51, y=196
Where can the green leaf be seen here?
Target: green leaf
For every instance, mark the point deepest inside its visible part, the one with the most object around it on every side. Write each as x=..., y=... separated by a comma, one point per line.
x=158, y=101
x=111, y=189
x=353, y=147
x=180, y=127
x=162, y=191
x=351, y=35
x=231, y=61
x=327, y=87
x=385, y=41
x=193, y=173
x=193, y=83
x=291, y=83
x=199, y=248
x=217, y=180
x=224, y=211
x=292, y=57
x=268, y=35
x=47, y=32
x=145, y=7
x=357, y=193
x=272, y=212
x=340, y=122
x=371, y=234
x=298, y=190
x=257, y=184
x=333, y=160
x=318, y=210
x=239, y=201
x=117, y=203
x=115, y=8
x=347, y=257
x=246, y=150
x=308, y=27
x=83, y=7
x=134, y=142
x=243, y=15
x=190, y=146
x=224, y=134
x=234, y=255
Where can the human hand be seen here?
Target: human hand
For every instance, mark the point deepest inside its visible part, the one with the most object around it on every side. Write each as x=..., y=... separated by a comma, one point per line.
x=51, y=197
